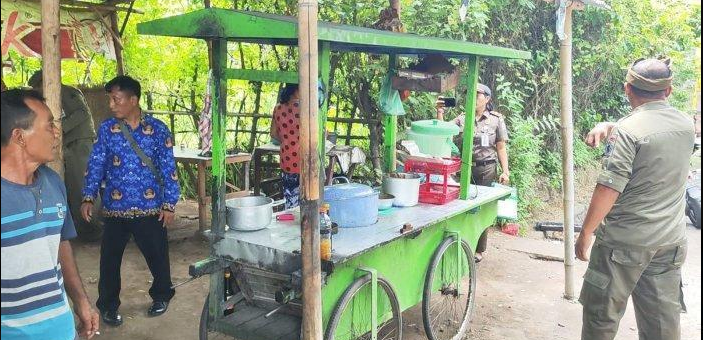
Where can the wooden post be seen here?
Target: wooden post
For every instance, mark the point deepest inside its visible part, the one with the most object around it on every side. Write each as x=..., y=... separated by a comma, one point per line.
x=51, y=66
x=219, y=108
x=567, y=160
x=117, y=43
x=390, y=127
x=310, y=170
x=468, y=140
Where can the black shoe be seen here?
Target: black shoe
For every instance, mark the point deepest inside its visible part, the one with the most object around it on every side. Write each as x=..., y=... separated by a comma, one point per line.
x=112, y=318
x=157, y=308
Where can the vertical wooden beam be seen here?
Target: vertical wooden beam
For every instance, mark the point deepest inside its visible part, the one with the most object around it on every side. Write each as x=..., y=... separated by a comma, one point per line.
x=567, y=156
x=469, y=122
x=310, y=170
x=51, y=66
x=118, y=47
x=390, y=127
x=219, y=108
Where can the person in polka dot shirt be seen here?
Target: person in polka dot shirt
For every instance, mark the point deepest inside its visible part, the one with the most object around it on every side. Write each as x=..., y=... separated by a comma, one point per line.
x=286, y=129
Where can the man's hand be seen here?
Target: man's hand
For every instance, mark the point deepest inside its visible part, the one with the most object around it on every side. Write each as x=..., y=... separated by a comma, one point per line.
x=504, y=178
x=87, y=210
x=583, y=243
x=167, y=217
x=599, y=133
x=88, y=320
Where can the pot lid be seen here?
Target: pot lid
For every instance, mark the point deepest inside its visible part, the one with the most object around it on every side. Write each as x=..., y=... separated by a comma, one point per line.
x=435, y=127
x=347, y=190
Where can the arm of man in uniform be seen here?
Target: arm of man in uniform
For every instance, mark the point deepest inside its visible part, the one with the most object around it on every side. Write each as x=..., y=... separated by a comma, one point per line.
x=602, y=201
x=87, y=316
x=617, y=170
x=77, y=107
x=599, y=133
x=95, y=172
x=167, y=165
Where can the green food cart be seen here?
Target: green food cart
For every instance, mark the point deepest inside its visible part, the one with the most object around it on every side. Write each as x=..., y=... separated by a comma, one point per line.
x=375, y=272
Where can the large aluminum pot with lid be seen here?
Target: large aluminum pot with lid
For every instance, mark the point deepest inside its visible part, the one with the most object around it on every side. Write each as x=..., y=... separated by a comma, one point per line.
x=404, y=186
x=352, y=204
x=249, y=213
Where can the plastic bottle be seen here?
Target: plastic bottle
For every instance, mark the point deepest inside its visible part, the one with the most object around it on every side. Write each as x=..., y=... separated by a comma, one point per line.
x=325, y=244
x=325, y=233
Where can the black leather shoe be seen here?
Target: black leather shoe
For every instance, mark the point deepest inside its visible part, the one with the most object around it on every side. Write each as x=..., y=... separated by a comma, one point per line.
x=112, y=318
x=157, y=308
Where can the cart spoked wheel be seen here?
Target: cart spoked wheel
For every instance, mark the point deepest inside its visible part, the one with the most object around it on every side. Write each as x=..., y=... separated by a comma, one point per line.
x=351, y=318
x=450, y=290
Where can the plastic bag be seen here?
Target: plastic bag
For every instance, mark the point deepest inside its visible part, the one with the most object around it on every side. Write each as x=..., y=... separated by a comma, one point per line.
x=507, y=208
x=389, y=99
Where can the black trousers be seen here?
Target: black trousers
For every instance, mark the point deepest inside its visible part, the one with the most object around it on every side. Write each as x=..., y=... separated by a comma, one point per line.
x=151, y=238
x=483, y=175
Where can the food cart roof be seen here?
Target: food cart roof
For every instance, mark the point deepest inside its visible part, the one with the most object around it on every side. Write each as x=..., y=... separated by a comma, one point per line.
x=263, y=28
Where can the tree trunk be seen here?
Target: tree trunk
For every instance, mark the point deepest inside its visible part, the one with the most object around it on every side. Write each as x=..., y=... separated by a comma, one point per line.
x=370, y=113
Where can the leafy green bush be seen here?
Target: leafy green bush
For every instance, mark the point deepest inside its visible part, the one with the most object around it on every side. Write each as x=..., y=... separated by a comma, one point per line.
x=524, y=148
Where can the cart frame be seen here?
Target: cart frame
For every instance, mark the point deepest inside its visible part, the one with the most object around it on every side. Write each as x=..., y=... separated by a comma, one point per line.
x=382, y=261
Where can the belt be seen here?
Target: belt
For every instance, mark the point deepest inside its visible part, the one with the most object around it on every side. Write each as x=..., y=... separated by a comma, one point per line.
x=482, y=163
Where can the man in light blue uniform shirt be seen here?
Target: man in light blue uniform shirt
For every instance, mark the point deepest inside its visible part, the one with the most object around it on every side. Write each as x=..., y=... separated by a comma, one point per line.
x=38, y=268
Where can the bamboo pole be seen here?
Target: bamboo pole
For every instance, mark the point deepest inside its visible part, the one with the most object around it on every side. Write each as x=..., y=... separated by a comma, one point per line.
x=567, y=140
x=51, y=66
x=310, y=170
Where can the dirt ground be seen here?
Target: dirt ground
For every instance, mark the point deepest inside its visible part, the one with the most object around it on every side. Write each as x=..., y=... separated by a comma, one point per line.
x=518, y=297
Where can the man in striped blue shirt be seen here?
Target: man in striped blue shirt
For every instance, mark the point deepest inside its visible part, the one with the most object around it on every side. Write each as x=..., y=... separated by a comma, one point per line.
x=38, y=268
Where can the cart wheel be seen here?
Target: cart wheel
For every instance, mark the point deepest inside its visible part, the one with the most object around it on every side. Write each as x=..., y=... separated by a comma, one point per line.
x=351, y=318
x=446, y=310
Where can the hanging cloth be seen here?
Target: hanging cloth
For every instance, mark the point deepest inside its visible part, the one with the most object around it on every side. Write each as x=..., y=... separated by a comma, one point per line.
x=389, y=99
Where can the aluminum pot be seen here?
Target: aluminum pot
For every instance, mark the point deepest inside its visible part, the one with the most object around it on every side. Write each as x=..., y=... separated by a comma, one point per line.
x=405, y=187
x=385, y=201
x=249, y=213
x=352, y=204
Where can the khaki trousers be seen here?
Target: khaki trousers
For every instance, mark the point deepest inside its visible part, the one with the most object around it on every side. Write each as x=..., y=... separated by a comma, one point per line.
x=652, y=277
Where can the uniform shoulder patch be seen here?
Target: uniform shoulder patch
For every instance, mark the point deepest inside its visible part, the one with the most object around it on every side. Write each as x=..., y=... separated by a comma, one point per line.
x=610, y=145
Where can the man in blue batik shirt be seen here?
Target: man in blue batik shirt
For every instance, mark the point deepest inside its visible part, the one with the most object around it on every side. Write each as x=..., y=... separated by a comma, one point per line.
x=134, y=157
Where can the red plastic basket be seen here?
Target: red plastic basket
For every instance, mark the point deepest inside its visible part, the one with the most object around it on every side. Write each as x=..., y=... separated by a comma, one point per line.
x=437, y=193
x=445, y=166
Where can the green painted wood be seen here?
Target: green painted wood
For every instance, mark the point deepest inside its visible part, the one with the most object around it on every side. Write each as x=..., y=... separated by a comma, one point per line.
x=219, y=108
x=262, y=75
x=404, y=262
x=323, y=57
x=272, y=29
x=469, y=122
x=390, y=128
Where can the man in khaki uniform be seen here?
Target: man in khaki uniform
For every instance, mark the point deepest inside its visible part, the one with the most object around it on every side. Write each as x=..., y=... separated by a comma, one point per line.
x=78, y=137
x=637, y=212
x=490, y=147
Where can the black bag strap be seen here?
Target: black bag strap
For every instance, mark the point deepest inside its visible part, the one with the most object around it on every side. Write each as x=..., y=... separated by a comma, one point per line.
x=146, y=160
